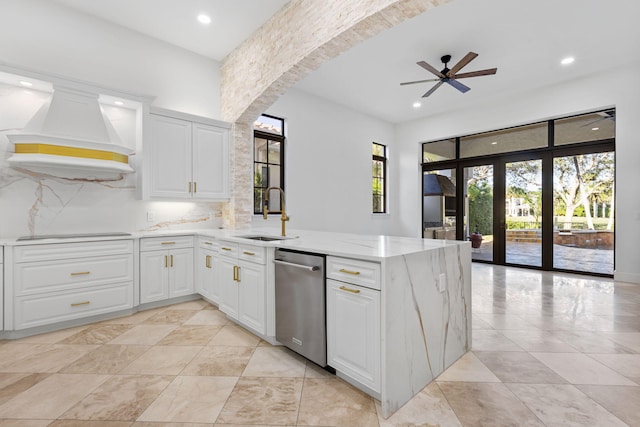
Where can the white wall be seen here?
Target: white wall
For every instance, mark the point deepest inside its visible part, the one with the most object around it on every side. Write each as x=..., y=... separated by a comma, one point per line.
x=46, y=37
x=328, y=172
x=620, y=89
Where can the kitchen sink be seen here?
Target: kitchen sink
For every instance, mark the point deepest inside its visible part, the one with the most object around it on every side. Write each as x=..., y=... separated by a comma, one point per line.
x=266, y=238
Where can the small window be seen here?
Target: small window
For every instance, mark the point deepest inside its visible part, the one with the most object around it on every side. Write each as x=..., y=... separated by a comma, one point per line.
x=268, y=161
x=379, y=178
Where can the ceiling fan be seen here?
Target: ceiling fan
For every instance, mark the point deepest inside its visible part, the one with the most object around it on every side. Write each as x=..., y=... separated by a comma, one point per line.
x=451, y=76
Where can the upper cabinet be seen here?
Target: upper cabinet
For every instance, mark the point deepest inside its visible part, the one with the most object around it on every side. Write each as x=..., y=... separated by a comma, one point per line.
x=186, y=157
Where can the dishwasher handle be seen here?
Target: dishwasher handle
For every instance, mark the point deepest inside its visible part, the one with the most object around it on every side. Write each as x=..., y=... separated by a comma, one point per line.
x=291, y=264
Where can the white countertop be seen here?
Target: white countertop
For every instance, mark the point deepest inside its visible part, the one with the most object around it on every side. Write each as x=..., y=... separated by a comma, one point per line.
x=371, y=247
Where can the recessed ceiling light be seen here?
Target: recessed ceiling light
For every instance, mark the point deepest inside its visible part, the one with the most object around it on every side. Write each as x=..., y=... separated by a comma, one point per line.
x=204, y=19
x=118, y=102
x=494, y=143
x=417, y=104
x=595, y=128
x=25, y=83
x=568, y=60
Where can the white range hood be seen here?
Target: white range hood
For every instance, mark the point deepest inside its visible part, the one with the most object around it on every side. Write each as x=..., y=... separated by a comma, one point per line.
x=71, y=137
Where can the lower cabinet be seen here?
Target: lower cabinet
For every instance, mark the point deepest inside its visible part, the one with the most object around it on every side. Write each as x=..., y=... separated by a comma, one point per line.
x=66, y=281
x=166, y=273
x=242, y=281
x=206, y=268
x=353, y=332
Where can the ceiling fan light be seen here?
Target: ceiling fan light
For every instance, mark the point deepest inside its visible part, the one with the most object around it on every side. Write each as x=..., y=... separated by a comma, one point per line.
x=568, y=60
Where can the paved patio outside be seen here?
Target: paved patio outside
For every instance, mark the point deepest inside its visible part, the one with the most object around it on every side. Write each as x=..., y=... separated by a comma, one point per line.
x=568, y=258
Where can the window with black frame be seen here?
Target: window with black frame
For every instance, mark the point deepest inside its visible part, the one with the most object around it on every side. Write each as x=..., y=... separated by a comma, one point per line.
x=268, y=160
x=379, y=178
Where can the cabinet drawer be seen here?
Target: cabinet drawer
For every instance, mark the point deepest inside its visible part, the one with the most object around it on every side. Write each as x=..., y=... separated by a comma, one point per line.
x=229, y=249
x=364, y=273
x=46, y=276
x=252, y=253
x=40, y=310
x=208, y=243
x=169, y=242
x=56, y=251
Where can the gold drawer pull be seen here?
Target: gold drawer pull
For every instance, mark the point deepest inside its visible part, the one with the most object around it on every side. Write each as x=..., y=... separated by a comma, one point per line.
x=207, y=243
x=168, y=243
x=225, y=249
x=353, y=291
x=248, y=253
x=81, y=273
x=355, y=273
x=78, y=304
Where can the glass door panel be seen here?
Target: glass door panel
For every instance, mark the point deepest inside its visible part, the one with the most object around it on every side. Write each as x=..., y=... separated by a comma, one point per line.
x=478, y=213
x=583, y=214
x=523, y=213
x=439, y=204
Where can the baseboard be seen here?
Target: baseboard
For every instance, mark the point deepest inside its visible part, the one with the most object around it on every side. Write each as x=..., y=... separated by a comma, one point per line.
x=620, y=276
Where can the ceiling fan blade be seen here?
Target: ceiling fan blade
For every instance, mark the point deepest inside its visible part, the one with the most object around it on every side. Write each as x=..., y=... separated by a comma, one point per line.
x=430, y=68
x=486, y=72
x=462, y=88
x=419, y=81
x=464, y=61
x=433, y=89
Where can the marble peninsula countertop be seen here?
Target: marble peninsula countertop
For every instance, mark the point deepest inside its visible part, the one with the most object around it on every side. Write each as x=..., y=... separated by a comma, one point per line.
x=363, y=246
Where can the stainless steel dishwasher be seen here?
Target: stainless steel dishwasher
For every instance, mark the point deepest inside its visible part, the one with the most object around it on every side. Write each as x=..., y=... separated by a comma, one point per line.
x=300, y=303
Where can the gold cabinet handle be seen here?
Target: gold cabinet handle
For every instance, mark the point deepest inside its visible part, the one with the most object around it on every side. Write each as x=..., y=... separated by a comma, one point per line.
x=207, y=243
x=248, y=253
x=195, y=187
x=166, y=261
x=353, y=291
x=171, y=260
x=207, y=261
x=225, y=249
x=190, y=187
x=78, y=304
x=355, y=273
x=81, y=273
x=168, y=243
x=236, y=273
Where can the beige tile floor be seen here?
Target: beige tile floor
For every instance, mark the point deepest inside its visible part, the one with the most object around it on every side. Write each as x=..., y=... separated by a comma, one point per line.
x=548, y=349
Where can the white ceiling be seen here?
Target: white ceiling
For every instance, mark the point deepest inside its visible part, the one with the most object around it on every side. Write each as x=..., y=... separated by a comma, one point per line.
x=525, y=40
x=174, y=21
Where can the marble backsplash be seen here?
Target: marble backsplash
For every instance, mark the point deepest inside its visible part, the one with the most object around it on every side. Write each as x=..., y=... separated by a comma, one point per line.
x=33, y=203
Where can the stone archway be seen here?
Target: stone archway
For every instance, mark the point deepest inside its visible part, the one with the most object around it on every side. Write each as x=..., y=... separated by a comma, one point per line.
x=292, y=44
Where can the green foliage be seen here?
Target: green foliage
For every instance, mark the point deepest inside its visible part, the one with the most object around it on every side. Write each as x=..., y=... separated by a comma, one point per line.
x=480, y=207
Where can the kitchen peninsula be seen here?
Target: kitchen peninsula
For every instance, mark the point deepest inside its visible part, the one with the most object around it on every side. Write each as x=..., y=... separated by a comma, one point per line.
x=408, y=303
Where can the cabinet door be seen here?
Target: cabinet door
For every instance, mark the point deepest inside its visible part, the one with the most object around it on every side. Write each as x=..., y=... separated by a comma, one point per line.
x=154, y=276
x=353, y=332
x=210, y=162
x=228, y=287
x=180, y=272
x=205, y=275
x=170, y=150
x=251, y=298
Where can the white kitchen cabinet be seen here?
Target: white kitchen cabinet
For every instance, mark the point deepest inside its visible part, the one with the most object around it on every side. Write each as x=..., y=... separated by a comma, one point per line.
x=66, y=281
x=206, y=269
x=166, y=273
x=242, y=281
x=187, y=157
x=353, y=331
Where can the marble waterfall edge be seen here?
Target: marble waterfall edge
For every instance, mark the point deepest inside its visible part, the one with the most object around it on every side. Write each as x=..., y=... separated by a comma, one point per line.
x=424, y=330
